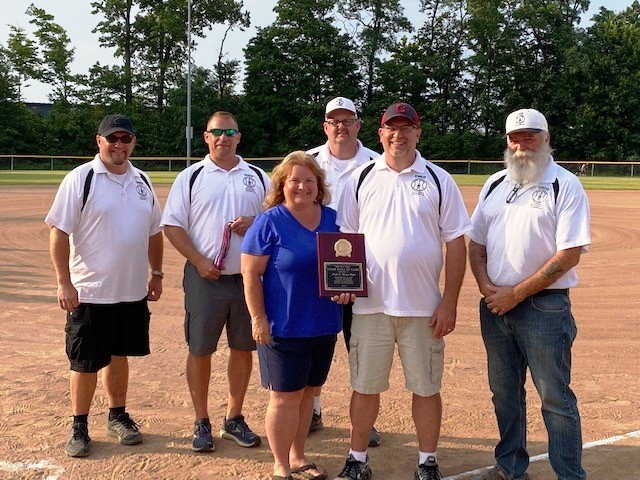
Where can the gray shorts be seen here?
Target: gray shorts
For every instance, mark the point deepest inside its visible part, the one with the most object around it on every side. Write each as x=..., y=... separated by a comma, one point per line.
x=210, y=305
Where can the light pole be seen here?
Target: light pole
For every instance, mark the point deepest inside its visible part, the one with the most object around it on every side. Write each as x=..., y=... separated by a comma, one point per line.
x=189, y=129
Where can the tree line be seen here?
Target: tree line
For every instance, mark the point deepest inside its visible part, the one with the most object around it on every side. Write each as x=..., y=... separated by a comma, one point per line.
x=464, y=65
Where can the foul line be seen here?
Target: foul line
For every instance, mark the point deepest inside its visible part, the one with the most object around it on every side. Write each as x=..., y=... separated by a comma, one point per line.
x=55, y=470
x=544, y=456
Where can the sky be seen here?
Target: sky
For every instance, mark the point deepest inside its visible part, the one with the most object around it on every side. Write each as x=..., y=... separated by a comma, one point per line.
x=76, y=18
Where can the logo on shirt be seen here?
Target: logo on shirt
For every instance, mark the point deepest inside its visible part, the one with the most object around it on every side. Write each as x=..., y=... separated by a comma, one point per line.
x=249, y=182
x=142, y=191
x=539, y=196
x=419, y=185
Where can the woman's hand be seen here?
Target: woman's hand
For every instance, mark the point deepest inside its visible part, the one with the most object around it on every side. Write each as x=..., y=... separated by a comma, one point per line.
x=344, y=298
x=261, y=330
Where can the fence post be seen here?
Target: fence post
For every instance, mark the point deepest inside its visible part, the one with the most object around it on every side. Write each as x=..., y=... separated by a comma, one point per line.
x=169, y=164
x=468, y=167
x=51, y=163
x=11, y=163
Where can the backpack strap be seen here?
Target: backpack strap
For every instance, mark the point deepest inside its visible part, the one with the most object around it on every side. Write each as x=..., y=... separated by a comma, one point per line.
x=87, y=188
x=363, y=175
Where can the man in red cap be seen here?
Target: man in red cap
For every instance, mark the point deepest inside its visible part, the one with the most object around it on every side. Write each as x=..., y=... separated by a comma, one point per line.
x=406, y=207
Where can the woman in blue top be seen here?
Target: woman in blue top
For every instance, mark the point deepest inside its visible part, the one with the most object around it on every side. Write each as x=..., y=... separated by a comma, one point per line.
x=294, y=327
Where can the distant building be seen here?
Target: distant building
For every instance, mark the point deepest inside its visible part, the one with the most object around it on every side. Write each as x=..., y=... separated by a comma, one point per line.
x=42, y=109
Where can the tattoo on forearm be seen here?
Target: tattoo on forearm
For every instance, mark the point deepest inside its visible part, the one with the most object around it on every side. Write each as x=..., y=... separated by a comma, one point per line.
x=551, y=270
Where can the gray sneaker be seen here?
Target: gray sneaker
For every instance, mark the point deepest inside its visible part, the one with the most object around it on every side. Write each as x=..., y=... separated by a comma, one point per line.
x=124, y=429
x=374, y=438
x=202, y=439
x=428, y=470
x=78, y=443
x=355, y=470
x=236, y=429
x=496, y=474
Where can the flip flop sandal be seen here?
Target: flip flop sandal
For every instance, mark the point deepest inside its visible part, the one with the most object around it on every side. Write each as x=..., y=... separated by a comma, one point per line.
x=303, y=471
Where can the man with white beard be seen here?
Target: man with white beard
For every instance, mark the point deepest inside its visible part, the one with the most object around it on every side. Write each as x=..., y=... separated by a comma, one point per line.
x=530, y=227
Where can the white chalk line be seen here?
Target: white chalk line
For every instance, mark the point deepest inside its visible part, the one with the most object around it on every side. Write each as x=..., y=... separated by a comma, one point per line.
x=56, y=470
x=544, y=456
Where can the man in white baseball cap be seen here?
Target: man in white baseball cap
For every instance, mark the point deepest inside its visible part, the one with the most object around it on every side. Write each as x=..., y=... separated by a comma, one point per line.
x=530, y=227
x=342, y=153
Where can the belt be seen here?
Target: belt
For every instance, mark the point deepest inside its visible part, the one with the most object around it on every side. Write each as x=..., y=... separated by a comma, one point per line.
x=551, y=291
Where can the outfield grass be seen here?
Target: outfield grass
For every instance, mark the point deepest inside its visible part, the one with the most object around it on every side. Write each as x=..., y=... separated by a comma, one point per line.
x=48, y=177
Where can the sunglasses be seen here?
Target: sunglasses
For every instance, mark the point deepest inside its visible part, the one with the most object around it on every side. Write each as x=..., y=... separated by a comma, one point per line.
x=123, y=139
x=229, y=132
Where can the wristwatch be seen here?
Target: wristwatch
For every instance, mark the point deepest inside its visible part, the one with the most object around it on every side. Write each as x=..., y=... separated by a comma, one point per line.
x=157, y=273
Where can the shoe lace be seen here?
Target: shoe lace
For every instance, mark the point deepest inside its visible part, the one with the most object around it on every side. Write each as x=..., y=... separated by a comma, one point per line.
x=241, y=425
x=202, y=429
x=429, y=472
x=127, y=422
x=80, y=433
x=351, y=469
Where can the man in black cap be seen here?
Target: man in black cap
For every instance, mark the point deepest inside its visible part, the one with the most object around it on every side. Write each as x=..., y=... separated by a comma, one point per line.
x=104, y=235
x=406, y=207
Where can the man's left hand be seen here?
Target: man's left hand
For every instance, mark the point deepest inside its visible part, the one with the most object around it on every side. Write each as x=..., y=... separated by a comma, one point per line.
x=443, y=320
x=155, y=288
x=239, y=225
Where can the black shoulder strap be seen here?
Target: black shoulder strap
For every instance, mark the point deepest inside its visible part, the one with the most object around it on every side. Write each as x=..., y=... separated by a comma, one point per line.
x=435, y=179
x=315, y=154
x=257, y=171
x=144, y=179
x=556, y=189
x=192, y=180
x=494, y=185
x=363, y=174
x=87, y=188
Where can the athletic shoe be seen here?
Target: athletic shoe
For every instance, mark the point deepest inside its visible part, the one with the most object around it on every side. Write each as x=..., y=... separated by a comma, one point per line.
x=202, y=439
x=124, y=429
x=316, y=422
x=428, y=470
x=374, y=438
x=236, y=429
x=355, y=470
x=496, y=474
x=78, y=443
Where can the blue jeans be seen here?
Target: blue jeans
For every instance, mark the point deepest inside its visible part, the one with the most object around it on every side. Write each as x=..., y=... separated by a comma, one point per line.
x=537, y=333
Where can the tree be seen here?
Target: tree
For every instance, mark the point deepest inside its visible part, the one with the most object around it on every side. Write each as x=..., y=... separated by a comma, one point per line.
x=292, y=68
x=57, y=55
x=21, y=53
x=376, y=24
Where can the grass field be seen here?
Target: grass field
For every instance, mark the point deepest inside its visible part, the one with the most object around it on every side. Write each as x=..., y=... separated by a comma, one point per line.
x=48, y=177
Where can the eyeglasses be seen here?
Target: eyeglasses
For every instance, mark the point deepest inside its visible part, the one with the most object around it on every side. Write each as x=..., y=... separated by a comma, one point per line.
x=513, y=194
x=405, y=129
x=217, y=132
x=123, y=139
x=336, y=123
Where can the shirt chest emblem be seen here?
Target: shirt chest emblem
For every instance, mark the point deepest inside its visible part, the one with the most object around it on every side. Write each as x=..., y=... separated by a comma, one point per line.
x=418, y=185
x=249, y=182
x=142, y=191
x=539, y=197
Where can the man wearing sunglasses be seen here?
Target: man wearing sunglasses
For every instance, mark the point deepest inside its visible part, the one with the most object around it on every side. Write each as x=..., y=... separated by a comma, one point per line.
x=530, y=228
x=104, y=235
x=338, y=157
x=209, y=208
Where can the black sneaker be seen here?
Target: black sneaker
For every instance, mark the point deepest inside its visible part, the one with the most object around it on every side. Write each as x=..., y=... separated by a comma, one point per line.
x=428, y=470
x=374, y=438
x=202, y=439
x=124, y=429
x=355, y=470
x=236, y=429
x=78, y=443
x=316, y=422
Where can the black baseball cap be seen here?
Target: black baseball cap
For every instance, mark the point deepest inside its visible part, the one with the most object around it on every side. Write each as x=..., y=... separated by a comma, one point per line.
x=403, y=110
x=115, y=123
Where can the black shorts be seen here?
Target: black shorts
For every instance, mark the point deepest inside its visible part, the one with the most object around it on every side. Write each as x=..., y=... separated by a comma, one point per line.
x=95, y=332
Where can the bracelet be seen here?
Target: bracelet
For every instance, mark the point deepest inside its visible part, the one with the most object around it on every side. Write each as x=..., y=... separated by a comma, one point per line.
x=157, y=273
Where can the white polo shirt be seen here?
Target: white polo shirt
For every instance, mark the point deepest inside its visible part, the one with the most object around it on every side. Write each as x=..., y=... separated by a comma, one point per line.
x=337, y=177
x=398, y=214
x=217, y=196
x=109, y=239
x=521, y=236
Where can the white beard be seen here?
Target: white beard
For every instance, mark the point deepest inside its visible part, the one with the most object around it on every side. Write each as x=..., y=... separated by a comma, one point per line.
x=525, y=166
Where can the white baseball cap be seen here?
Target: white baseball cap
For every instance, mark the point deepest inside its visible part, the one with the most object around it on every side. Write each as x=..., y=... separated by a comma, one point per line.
x=340, y=103
x=526, y=119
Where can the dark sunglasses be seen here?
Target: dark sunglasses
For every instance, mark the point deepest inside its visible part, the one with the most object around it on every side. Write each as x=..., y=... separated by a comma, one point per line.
x=229, y=132
x=123, y=139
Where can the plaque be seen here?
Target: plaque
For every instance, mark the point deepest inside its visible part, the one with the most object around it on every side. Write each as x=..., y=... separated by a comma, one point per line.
x=342, y=266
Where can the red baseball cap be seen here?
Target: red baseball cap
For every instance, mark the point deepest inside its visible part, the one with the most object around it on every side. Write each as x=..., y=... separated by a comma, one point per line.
x=403, y=110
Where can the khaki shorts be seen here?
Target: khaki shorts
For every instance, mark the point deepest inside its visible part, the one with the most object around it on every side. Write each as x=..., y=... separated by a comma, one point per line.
x=372, y=345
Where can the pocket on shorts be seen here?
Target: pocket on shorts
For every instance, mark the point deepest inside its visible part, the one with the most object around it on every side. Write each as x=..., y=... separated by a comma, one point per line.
x=353, y=358
x=437, y=361
x=75, y=331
